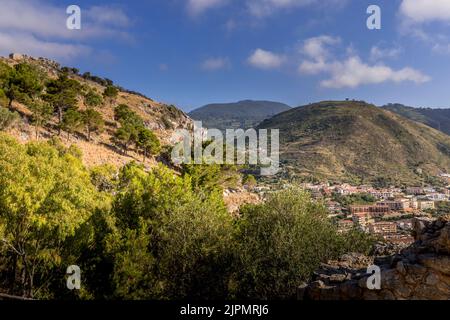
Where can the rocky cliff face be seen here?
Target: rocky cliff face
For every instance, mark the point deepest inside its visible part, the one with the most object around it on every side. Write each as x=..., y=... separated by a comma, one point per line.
x=421, y=271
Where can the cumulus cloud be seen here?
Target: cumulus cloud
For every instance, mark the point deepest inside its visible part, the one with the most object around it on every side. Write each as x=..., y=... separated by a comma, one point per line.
x=260, y=8
x=317, y=50
x=263, y=59
x=351, y=71
x=377, y=53
x=108, y=16
x=38, y=28
x=214, y=64
x=196, y=7
x=416, y=18
x=263, y=8
x=317, y=47
x=31, y=45
x=313, y=67
x=420, y=11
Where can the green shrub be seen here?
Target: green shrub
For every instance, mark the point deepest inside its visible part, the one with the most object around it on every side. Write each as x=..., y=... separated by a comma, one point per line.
x=173, y=238
x=3, y=98
x=8, y=118
x=281, y=243
x=45, y=198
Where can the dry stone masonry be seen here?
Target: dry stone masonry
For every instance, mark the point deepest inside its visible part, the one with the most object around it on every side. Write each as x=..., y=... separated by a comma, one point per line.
x=420, y=271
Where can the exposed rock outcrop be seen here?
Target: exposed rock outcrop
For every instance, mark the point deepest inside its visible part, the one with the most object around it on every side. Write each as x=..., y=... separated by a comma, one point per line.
x=420, y=271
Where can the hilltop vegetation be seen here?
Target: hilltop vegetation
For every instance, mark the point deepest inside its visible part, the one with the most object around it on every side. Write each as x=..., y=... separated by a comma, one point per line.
x=40, y=99
x=358, y=142
x=240, y=115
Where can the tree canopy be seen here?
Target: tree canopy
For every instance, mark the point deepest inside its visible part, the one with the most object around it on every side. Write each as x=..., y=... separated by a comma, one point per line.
x=45, y=198
x=62, y=94
x=23, y=83
x=93, y=121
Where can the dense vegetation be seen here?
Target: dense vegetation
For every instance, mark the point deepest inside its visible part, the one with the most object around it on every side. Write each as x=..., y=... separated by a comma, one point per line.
x=60, y=97
x=354, y=199
x=133, y=131
x=149, y=235
x=442, y=208
x=137, y=233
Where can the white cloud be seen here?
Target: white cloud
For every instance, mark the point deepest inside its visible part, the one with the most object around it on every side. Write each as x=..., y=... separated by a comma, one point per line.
x=29, y=44
x=377, y=53
x=44, y=20
x=261, y=8
x=214, y=64
x=313, y=67
x=420, y=11
x=351, y=72
x=265, y=59
x=196, y=7
x=108, y=16
x=316, y=48
x=37, y=28
x=416, y=17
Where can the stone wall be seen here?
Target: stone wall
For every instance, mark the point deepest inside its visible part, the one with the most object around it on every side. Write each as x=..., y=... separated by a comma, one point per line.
x=420, y=271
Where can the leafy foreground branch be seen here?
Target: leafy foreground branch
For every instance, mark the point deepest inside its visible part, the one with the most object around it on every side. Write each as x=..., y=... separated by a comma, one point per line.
x=150, y=235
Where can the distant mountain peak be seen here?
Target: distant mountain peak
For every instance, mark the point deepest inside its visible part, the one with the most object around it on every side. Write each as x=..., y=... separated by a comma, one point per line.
x=242, y=114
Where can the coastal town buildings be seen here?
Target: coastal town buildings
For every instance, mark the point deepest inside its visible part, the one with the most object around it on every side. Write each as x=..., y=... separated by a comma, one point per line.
x=388, y=216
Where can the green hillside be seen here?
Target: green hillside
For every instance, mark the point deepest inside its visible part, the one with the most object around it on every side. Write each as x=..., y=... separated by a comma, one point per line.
x=355, y=141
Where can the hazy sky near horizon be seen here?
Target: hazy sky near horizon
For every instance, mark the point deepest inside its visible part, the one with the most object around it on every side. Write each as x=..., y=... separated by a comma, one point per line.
x=194, y=52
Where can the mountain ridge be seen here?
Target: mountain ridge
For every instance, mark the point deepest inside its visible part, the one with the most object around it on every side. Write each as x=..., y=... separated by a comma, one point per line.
x=354, y=140
x=243, y=114
x=437, y=118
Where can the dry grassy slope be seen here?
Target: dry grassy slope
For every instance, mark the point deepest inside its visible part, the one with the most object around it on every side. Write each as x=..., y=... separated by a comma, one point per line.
x=354, y=140
x=160, y=118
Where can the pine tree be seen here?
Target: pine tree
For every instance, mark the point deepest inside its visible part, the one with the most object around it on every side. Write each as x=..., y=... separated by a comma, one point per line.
x=110, y=94
x=23, y=83
x=92, y=99
x=71, y=122
x=148, y=143
x=93, y=121
x=42, y=112
x=62, y=93
x=123, y=137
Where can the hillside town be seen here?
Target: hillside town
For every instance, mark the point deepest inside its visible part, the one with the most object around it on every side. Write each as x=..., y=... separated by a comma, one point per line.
x=387, y=213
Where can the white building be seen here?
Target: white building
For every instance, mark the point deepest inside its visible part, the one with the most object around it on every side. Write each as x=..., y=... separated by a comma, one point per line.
x=437, y=197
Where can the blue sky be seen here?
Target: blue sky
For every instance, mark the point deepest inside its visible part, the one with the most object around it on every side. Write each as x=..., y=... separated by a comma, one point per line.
x=194, y=52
